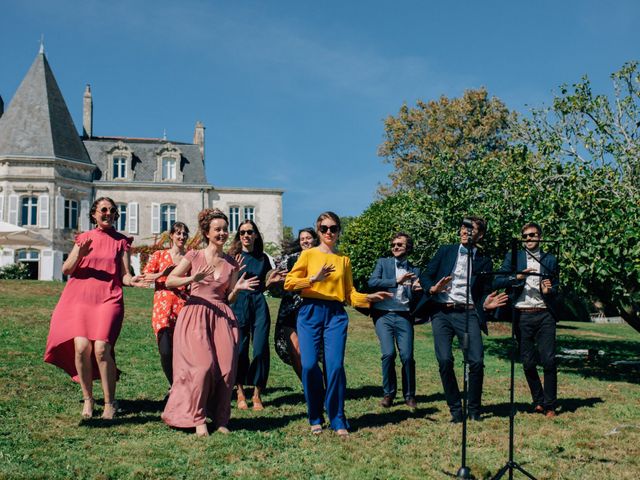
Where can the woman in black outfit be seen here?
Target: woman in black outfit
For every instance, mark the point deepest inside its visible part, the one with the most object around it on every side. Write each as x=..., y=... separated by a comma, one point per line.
x=286, y=333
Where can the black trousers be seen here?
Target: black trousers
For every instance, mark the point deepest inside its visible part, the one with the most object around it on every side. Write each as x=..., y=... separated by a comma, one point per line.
x=538, y=343
x=446, y=325
x=165, y=348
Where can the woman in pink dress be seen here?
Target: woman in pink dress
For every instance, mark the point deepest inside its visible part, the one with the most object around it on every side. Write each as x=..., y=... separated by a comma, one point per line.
x=206, y=335
x=87, y=320
x=167, y=302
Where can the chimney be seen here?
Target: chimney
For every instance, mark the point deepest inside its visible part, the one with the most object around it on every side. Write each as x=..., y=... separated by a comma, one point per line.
x=87, y=113
x=198, y=137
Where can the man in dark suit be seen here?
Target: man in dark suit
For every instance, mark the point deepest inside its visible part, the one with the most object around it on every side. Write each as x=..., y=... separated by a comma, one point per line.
x=392, y=318
x=533, y=295
x=444, y=282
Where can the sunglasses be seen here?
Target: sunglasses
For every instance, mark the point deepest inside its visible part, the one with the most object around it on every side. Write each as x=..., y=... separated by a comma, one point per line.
x=329, y=228
x=530, y=235
x=111, y=210
x=397, y=244
x=245, y=232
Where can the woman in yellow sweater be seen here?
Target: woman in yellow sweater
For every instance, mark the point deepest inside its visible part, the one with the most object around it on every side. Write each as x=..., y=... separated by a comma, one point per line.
x=326, y=282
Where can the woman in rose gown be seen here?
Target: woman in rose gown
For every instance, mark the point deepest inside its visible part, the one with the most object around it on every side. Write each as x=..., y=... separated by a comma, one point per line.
x=88, y=317
x=206, y=334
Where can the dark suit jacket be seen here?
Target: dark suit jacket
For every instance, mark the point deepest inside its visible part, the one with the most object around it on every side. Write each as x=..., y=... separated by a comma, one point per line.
x=384, y=277
x=442, y=265
x=548, y=269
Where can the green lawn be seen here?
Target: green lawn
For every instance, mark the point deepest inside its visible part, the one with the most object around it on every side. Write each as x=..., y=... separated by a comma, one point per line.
x=596, y=435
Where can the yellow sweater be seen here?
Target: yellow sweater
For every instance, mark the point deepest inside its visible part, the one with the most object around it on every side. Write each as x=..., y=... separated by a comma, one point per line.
x=337, y=286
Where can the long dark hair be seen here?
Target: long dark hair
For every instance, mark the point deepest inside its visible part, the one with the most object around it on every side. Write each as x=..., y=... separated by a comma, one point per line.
x=258, y=244
x=94, y=207
x=294, y=245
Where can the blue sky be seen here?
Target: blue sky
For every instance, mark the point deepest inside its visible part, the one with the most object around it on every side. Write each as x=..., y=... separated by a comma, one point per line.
x=294, y=93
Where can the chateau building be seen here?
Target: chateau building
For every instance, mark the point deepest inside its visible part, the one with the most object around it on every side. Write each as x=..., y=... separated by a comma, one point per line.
x=50, y=175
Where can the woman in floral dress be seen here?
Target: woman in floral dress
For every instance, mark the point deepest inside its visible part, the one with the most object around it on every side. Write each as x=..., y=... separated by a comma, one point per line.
x=167, y=302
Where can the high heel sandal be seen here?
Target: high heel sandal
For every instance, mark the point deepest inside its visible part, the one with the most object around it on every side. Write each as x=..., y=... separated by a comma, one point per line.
x=257, y=404
x=242, y=402
x=110, y=410
x=87, y=408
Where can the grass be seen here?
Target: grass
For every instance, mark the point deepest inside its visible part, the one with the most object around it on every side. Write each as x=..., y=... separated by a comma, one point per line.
x=596, y=435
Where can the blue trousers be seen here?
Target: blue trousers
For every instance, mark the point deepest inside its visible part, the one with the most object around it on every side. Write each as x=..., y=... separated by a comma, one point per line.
x=392, y=328
x=323, y=323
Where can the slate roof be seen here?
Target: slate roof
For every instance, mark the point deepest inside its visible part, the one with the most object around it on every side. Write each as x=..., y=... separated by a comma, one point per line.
x=37, y=122
x=145, y=157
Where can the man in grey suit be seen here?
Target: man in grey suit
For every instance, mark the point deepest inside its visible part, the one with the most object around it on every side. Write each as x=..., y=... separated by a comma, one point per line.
x=393, y=322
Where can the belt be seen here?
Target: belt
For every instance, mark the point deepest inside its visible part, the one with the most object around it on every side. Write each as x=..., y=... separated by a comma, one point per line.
x=532, y=309
x=456, y=307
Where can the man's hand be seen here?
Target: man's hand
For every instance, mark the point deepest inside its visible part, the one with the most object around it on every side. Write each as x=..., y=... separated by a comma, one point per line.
x=441, y=285
x=545, y=286
x=405, y=277
x=495, y=300
x=523, y=275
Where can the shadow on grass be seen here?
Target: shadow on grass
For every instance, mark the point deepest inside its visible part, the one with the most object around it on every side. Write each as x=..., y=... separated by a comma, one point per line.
x=599, y=367
x=565, y=405
x=263, y=423
x=392, y=417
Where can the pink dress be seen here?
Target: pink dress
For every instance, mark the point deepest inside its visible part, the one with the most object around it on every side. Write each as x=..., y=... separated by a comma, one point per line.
x=205, y=356
x=91, y=303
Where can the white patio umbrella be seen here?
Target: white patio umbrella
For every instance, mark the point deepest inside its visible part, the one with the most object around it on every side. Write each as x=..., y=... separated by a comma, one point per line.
x=11, y=234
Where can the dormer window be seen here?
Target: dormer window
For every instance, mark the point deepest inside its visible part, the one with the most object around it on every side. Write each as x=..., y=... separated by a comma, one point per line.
x=168, y=164
x=120, y=158
x=119, y=168
x=168, y=169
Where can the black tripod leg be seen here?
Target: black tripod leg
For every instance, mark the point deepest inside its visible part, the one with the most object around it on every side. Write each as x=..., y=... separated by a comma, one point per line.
x=501, y=472
x=523, y=471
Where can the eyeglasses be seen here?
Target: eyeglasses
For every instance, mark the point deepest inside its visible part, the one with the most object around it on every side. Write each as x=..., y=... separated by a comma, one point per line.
x=397, y=244
x=530, y=235
x=108, y=210
x=329, y=228
x=245, y=232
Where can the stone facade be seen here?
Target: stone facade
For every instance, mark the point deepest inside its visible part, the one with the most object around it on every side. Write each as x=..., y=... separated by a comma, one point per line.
x=49, y=176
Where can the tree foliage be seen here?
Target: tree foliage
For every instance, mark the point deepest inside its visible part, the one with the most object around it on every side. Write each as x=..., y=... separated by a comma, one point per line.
x=458, y=129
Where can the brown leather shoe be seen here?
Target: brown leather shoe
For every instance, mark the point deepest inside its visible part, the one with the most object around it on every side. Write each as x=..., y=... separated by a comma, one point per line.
x=386, y=401
x=538, y=409
x=550, y=414
x=411, y=403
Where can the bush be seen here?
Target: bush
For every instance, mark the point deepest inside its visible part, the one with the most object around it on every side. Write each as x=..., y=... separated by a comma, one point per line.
x=14, y=271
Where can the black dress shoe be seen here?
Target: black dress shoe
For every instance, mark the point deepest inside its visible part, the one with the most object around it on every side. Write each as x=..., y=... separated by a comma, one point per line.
x=456, y=418
x=411, y=403
x=386, y=401
x=475, y=417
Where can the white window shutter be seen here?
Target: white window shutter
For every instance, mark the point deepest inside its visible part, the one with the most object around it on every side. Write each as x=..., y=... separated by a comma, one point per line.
x=132, y=212
x=59, y=211
x=84, y=216
x=155, y=218
x=1, y=207
x=43, y=211
x=13, y=209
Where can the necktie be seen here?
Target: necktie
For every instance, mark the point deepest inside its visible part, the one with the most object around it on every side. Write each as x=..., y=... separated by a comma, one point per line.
x=464, y=250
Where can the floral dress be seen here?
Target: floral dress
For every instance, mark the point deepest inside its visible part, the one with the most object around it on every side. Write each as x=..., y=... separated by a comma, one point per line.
x=167, y=302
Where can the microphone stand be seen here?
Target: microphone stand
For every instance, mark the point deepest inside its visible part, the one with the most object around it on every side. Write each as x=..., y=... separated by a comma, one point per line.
x=511, y=464
x=464, y=472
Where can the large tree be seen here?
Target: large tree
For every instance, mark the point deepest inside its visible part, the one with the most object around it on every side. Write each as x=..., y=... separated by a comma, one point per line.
x=458, y=129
